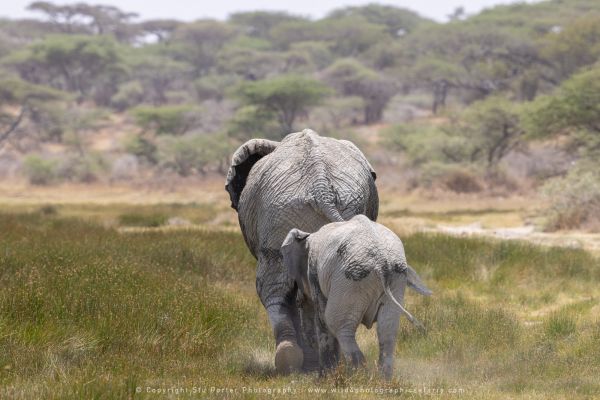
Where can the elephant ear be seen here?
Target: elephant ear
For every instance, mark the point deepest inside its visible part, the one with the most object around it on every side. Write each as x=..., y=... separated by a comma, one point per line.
x=242, y=162
x=295, y=256
x=356, y=150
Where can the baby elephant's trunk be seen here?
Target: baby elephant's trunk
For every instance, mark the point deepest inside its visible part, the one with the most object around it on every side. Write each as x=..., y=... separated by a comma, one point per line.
x=414, y=281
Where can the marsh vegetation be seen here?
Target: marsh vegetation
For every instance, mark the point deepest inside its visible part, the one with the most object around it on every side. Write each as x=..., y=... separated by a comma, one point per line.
x=94, y=311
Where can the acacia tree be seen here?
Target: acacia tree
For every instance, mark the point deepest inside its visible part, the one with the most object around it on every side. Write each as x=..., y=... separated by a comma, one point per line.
x=573, y=47
x=156, y=72
x=198, y=43
x=86, y=18
x=573, y=109
x=260, y=23
x=350, y=78
x=286, y=97
x=87, y=65
x=492, y=128
x=398, y=21
x=29, y=99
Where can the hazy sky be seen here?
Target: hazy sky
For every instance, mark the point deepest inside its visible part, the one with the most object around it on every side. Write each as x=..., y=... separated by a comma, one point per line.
x=194, y=9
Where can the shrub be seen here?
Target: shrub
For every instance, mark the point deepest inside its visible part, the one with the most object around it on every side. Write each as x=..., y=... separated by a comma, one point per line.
x=252, y=121
x=454, y=177
x=338, y=112
x=574, y=200
x=192, y=154
x=130, y=94
x=170, y=119
x=285, y=97
x=427, y=143
x=82, y=168
x=38, y=170
x=141, y=147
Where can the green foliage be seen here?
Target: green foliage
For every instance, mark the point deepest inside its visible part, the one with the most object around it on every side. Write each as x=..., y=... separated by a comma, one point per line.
x=351, y=78
x=575, y=46
x=318, y=52
x=214, y=86
x=39, y=171
x=285, y=96
x=574, y=106
x=492, y=128
x=199, y=42
x=249, y=64
x=85, y=168
x=259, y=24
x=427, y=143
x=169, y=119
x=398, y=21
x=339, y=112
x=76, y=63
x=157, y=72
x=191, y=154
x=130, y=94
x=14, y=90
x=256, y=72
x=141, y=147
x=253, y=122
x=485, y=132
x=350, y=35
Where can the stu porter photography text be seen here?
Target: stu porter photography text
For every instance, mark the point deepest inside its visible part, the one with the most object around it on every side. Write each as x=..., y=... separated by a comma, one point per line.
x=290, y=390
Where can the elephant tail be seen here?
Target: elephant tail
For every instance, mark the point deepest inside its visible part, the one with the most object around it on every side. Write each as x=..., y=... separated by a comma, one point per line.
x=388, y=291
x=415, y=282
x=324, y=200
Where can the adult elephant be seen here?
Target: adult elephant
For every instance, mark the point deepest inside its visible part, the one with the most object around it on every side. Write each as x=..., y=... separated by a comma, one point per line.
x=305, y=181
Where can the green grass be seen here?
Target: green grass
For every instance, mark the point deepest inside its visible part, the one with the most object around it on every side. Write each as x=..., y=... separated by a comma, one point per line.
x=89, y=312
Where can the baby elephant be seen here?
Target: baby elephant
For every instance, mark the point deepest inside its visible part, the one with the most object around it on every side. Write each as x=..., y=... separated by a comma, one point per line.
x=352, y=272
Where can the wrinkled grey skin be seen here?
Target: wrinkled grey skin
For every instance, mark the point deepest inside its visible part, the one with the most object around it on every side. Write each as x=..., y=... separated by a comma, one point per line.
x=353, y=272
x=305, y=181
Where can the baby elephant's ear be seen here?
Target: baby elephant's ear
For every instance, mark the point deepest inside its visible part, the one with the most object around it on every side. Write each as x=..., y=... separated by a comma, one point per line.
x=295, y=254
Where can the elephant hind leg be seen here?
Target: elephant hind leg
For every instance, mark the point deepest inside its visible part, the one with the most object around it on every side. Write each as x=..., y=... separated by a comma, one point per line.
x=346, y=337
x=343, y=323
x=327, y=343
x=279, y=299
x=388, y=320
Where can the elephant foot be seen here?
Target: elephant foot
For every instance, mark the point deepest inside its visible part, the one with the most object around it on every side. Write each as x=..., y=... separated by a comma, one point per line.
x=311, y=361
x=288, y=357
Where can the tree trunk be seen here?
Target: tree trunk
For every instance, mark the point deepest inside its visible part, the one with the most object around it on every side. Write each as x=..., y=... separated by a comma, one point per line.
x=15, y=124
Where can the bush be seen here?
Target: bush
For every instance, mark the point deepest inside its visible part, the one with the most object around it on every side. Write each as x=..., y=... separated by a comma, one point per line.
x=338, y=112
x=454, y=177
x=574, y=200
x=38, y=170
x=192, y=154
x=130, y=94
x=82, y=168
x=285, y=97
x=171, y=119
x=251, y=122
x=214, y=86
x=141, y=147
x=427, y=143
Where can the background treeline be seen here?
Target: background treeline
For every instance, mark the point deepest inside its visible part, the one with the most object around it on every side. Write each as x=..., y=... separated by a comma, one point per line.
x=503, y=101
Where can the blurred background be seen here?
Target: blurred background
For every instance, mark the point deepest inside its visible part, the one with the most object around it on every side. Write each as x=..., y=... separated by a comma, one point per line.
x=496, y=102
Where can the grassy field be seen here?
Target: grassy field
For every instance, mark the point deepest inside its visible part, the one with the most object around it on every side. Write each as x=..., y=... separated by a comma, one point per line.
x=92, y=308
